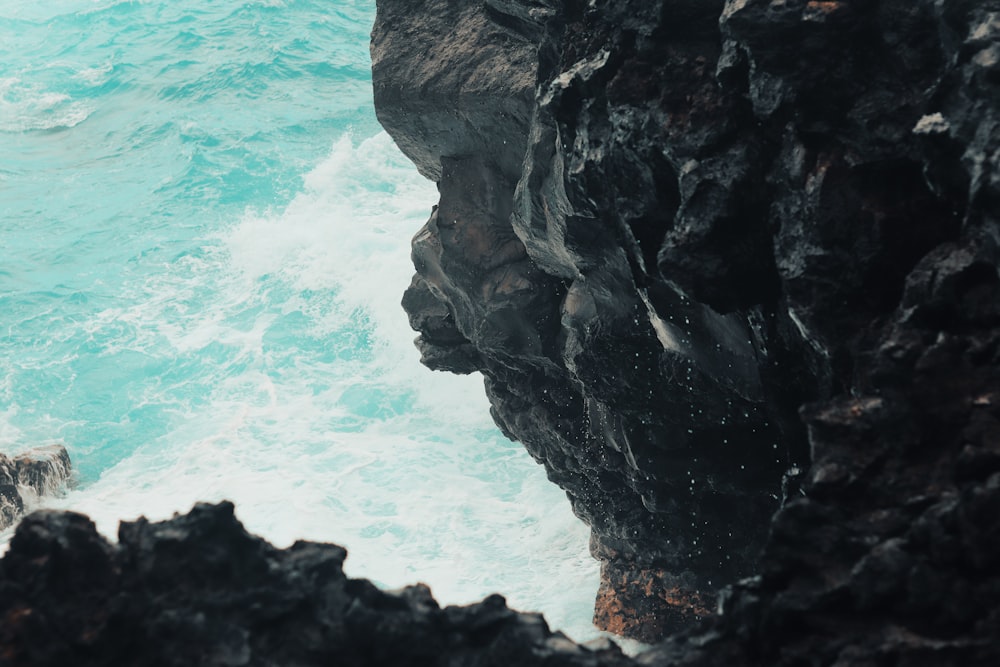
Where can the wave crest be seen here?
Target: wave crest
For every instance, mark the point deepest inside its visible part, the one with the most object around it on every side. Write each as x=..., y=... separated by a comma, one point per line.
x=25, y=108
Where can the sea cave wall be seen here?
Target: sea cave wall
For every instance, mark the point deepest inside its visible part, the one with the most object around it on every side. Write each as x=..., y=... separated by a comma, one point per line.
x=729, y=269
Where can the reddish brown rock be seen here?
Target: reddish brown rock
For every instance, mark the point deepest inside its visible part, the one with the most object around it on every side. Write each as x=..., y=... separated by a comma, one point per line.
x=647, y=604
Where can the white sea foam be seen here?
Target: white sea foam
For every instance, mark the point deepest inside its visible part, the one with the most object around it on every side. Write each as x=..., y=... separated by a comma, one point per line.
x=95, y=75
x=303, y=401
x=269, y=361
x=10, y=435
x=24, y=108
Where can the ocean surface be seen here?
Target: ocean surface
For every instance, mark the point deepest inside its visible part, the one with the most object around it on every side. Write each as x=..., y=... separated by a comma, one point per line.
x=204, y=237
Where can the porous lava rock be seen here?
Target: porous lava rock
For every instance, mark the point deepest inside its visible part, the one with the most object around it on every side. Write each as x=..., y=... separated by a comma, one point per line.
x=718, y=261
x=199, y=591
x=730, y=271
x=35, y=472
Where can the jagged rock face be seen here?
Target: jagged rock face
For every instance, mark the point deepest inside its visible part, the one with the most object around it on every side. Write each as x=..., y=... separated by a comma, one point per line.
x=888, y=174
x=815, y=187
x=37, y=472
x=198, y=590
x=721, y=212
x=649, y=407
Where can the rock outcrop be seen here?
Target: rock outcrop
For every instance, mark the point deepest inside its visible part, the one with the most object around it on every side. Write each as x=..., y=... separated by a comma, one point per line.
x=697, y=247
x=36, y=472
x=198, y=590
x=730, y=270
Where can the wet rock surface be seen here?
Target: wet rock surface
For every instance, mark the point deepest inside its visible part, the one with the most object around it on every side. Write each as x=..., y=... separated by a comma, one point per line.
x=730, y=270
x=36, y=472
x=745, y=266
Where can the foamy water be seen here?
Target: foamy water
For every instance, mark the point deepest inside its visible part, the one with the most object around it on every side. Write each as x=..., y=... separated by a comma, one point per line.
x=205, y=240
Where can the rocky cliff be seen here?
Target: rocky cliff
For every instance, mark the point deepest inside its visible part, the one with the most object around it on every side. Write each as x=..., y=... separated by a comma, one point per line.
x=698, y=247
x=730, y=271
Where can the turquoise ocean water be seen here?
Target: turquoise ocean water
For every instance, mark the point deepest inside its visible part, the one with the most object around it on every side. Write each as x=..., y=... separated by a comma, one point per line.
x=204, y=236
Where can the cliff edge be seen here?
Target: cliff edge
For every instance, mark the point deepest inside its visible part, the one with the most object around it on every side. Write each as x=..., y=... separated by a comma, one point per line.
x=730, y=272
x=720, y=262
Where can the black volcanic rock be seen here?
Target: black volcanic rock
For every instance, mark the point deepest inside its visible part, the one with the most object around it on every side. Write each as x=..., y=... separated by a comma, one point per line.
x=38, y=471
x=731, y=270
x=198, y=590
x=716, y=259
x=649, y=407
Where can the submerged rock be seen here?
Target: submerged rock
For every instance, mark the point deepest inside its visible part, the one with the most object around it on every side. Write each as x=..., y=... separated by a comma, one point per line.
x=36, y=472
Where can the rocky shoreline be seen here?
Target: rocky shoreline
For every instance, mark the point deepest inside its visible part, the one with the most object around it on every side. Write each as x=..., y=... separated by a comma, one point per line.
x=199, y=590
x=730, y=271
